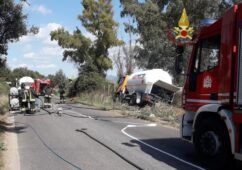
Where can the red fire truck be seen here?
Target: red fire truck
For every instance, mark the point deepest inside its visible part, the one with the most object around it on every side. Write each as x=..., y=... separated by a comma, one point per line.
x=212, y=94
x=40, y=84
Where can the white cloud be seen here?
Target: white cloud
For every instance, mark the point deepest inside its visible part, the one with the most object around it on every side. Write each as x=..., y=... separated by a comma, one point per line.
x=44, y=32
x=26, y=39
x=42, y=9
x=30, y=55
x=38, y=52
x=23, y=65
x=52, y=51
x=46, y=66
x=14, y=60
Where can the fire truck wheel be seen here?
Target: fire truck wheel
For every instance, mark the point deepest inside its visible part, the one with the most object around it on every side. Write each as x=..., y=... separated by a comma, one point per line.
x=212, y=142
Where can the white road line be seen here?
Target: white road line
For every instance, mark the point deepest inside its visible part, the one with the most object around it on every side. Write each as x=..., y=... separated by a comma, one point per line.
x=125, y=122
x=157, y=149
x=81, y=114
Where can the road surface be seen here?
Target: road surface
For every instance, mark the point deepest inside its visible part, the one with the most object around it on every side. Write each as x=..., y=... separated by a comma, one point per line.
x=84, y=138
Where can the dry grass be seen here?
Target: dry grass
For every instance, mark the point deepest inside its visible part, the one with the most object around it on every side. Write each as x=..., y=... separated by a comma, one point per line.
x=160, y=112
x=2, y=147
x=4, y=88
x=97, y=99
x=3, y=105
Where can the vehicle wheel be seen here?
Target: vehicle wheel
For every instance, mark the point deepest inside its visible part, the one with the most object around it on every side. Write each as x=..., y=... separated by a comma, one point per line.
x=133, y=99
x=212, y=142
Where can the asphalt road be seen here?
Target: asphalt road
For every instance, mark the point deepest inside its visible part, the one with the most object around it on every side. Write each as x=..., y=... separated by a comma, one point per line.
x=86, y=139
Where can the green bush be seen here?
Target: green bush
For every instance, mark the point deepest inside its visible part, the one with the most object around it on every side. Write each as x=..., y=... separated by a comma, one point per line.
x=86, y=83
x=3, y=104
x=4, y=88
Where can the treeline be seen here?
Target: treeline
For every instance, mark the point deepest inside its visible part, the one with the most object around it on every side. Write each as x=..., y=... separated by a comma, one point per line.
x=149, y=21
x=9, y=75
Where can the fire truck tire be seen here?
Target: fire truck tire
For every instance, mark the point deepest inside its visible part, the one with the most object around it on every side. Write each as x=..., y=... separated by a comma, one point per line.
x=211, y=140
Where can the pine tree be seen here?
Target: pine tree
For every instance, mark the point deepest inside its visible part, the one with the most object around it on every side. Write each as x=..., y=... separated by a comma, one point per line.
x=91, y=55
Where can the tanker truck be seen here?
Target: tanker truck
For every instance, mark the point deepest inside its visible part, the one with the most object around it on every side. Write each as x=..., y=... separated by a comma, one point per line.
x=13, y=99
x=146, y=87
x=26, y=94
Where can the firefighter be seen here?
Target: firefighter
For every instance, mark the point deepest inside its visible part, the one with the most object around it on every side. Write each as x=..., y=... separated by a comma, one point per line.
x=32, y=97
x=62, y=92
x=47, y=92
x=22, y=96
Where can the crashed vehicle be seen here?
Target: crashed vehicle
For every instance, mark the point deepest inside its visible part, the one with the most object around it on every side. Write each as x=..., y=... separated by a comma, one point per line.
x=146, y=87
x=26, y=94
x=43, y=90
x=14, y=99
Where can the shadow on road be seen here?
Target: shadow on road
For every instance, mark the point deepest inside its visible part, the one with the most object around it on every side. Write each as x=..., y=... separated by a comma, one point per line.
x=129, y=144
x=16, y=129
x=36, y=114
x=180, y=149
x=83, y=107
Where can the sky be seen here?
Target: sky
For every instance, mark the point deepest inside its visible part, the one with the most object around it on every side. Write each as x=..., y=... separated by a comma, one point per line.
x=38, y=52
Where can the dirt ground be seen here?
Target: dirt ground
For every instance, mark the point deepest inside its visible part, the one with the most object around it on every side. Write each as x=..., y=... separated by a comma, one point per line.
x=10, y=156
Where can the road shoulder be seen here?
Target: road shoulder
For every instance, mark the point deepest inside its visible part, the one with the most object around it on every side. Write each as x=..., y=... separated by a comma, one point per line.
x=11, y=160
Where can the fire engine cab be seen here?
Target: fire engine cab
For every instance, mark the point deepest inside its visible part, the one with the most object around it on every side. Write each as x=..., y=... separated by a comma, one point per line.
x=212, y=94
x=40, y=85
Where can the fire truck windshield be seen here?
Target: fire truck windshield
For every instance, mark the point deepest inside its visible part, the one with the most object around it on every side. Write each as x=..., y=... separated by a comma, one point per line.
x=208, y=53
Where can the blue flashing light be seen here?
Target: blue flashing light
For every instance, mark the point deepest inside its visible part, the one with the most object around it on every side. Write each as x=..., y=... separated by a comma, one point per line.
x=207, y=22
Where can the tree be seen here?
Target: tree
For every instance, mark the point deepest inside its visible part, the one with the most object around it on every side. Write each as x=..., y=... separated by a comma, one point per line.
x=150, y=28
x=12, y=26
x=119, y=63
x=3, y=60
x=124, y=60
x=91, y=55
x=153, y=18
x=17, y=73
x=12, y=23
x=5, y=73
x=58, y=79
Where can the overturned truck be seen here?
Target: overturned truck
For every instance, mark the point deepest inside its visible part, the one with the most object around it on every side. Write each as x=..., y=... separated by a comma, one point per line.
x=146, y=88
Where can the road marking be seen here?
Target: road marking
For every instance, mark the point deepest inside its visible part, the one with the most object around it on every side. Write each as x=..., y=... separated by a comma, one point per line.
x=125, y=122
x=157, y=149
x=81, y=114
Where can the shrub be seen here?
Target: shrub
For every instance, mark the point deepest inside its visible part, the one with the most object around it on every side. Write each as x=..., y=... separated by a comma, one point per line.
x=87, y=83
x=3, y=104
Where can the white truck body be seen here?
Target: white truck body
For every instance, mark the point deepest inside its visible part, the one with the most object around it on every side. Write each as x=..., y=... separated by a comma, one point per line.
x=143, y=81
x=27, y=81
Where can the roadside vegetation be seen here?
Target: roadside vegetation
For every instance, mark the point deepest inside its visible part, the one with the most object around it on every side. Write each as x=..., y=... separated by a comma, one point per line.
x=3, y=111
x=92, y=59
x=4, y=89
x=103, y=100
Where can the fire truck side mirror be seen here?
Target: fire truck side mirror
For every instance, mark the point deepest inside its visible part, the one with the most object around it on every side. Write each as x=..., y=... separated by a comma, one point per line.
x=179, y=60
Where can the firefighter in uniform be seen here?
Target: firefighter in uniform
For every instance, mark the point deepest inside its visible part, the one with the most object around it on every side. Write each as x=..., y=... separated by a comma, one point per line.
x=22, y=96
x=62, y=92
x=32, y=96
